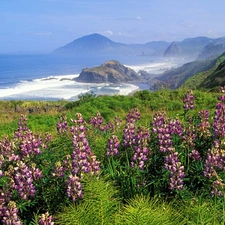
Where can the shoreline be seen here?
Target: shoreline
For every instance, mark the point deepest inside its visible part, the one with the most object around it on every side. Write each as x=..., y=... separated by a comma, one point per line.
x=63, y=87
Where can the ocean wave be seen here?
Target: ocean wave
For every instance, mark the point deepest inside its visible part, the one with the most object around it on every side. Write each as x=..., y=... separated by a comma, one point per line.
x=61, y=87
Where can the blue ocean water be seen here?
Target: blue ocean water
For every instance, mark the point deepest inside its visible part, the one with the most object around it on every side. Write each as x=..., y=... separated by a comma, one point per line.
x=50, y=77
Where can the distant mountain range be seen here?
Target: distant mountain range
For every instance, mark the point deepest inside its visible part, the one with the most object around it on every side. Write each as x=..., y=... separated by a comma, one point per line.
x=193, y=48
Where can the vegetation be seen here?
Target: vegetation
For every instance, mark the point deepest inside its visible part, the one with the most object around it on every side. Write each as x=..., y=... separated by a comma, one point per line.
x=206, y=79
x=151, y=158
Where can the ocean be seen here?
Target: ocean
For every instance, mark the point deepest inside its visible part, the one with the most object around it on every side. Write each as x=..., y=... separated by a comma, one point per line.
x=50, y=77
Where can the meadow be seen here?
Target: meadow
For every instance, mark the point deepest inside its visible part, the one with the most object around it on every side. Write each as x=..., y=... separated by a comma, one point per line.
x=150, y=158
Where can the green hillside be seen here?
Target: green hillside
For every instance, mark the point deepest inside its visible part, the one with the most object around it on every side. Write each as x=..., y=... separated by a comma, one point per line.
x=208, y=79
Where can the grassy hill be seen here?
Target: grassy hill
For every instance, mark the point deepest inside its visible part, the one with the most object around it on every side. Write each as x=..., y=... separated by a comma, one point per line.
x=208, y=79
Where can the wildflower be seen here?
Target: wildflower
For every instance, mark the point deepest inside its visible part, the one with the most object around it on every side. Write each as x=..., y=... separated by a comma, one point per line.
x=113, y=145
x=46, y=219
x=9, y=214
x=173, y=164
x=188, y=101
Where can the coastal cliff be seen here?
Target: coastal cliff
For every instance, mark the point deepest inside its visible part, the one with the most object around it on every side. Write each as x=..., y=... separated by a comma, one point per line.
x=111, y=71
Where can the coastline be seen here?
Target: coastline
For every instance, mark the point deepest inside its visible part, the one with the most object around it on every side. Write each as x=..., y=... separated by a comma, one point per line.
x=63, y=87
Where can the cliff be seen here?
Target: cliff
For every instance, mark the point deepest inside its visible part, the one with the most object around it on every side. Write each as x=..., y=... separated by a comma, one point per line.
x=111, y=71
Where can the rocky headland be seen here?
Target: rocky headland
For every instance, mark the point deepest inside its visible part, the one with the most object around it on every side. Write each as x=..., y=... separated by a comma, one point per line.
x=109, y=72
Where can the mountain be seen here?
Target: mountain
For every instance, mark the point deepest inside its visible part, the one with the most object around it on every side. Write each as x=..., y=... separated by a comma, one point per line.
x=173, y=50
x=175, y=77
x=86, y=44
x=213, y=49
x=111, y=71
x=99, y=44
x=189, y=47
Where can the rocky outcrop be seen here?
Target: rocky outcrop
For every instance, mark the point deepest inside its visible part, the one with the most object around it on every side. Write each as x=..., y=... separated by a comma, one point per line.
x=111, y=71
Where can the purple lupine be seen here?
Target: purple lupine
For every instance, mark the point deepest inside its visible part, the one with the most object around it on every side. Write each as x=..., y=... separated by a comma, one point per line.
x=175, y=127
x=217, y=188
x=195, y=155
x=9, y=214
x=162, y=128
x=74, y=187
x=31, y=144
x=45, y=219
x=59, y=170
x=97, y=120
x=82, y=159
x=141, y=150
x=62, y=125
x=112, y=146
x=173, y=164
x=188, y=101
x=204, y=125
x=6, y=148
x=22, y=127
x=129, y=134
x=215, y=159
x=23, y=180
x=133, y=115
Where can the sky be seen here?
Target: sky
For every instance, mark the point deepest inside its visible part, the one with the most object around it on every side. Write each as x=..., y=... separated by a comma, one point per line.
x=44, y=25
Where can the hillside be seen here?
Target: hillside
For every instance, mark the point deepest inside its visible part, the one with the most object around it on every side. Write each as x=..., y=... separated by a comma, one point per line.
x=213, y=49
x=217, y=78
x=111, y=71
x=206, y=79
x=174, y=78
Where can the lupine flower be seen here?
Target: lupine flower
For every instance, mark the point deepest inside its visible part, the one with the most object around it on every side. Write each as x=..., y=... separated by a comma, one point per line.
x=173, y=164
x=23, y=180
x=82, y=159
x=97, y=120
x=204, y=125
x=45, y=219
x=62, y=125
x=31, y=144
x=217, y=188
x=22, y=127
x=195, y=155
x=112, y=146
x=59, y=170
x=141, y=150
x=175, y=127
x=9, y=214
x=129, y=134
x=188, y=101
x=74, y=187
x=133, y=115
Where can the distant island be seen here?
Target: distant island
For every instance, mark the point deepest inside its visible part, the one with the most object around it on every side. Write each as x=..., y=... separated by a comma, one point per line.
x=109, y=72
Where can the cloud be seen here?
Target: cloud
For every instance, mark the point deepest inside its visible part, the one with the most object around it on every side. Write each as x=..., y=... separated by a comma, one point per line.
x=107, y=32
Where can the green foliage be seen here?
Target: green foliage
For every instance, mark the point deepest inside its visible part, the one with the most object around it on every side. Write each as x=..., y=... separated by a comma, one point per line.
x=144, y=211
x=199, y=212
x=99, y=204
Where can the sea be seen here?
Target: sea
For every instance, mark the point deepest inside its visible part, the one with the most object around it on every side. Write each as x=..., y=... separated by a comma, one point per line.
x=51, y=77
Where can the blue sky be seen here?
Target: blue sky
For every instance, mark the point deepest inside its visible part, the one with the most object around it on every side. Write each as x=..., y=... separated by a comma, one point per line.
x=43, y=25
